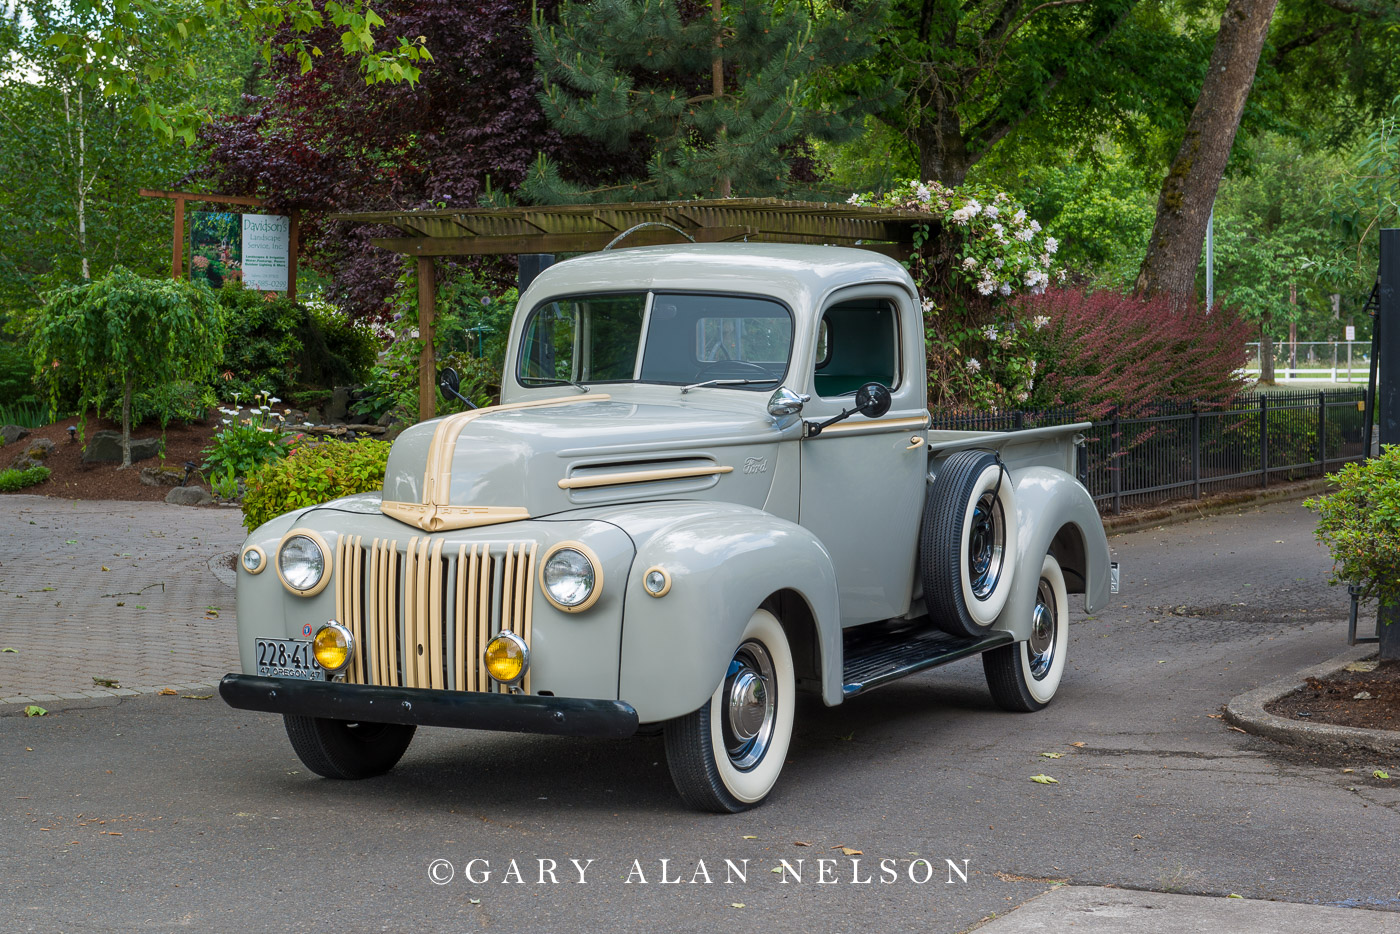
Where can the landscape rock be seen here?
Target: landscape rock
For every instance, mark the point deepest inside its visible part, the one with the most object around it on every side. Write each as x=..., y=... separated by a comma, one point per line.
x=339, y=406
x=189, y=496
x=106, y=447
x=12, y=433
x=162, y=476
x=34, y=454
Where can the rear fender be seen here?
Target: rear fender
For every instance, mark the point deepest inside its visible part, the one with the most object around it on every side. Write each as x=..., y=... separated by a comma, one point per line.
x=1054, y=513
x=723, y=566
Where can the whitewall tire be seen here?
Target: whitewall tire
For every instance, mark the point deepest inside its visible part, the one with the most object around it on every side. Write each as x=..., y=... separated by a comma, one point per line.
x=1025, y=676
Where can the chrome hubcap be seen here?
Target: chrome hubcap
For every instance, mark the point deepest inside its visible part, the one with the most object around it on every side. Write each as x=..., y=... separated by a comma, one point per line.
x=986, y=545
x=750, y=705
x=1042, y=645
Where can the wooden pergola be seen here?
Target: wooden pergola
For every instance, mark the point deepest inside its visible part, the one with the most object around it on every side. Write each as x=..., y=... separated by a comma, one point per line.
x=585, y=228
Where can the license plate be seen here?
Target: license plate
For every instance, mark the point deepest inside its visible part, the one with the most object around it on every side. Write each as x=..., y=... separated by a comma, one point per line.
x=287, y=658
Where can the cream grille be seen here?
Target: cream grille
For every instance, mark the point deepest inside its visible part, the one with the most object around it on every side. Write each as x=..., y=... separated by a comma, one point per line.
x=423, y=614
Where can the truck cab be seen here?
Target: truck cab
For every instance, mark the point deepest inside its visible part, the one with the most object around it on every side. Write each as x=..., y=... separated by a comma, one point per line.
x=710, y=485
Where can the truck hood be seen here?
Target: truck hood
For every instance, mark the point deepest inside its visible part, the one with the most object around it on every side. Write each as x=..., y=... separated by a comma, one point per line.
x=537, y=458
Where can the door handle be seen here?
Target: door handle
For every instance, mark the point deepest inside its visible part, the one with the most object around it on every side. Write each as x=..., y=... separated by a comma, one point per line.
x=915, y=442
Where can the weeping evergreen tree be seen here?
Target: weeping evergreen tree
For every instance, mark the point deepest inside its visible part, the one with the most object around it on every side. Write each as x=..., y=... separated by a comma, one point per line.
x=723, y=99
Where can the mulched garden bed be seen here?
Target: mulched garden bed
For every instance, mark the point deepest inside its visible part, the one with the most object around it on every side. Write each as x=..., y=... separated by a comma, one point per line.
x=72, y=479
x=1369, y=699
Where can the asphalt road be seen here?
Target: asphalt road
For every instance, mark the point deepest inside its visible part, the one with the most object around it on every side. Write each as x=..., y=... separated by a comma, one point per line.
x=164, y=813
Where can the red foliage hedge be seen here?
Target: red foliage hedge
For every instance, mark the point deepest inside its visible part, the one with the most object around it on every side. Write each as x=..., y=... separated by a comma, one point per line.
x=1101, y=350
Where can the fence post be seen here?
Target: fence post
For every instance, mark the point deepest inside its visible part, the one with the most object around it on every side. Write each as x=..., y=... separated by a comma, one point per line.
x=1195, y=449
x=1264, y=438
x=1019, y=420
x=1322, y=430
x=1115, y=476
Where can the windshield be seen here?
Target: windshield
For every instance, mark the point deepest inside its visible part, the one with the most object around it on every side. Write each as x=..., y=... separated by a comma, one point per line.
x=657, y=337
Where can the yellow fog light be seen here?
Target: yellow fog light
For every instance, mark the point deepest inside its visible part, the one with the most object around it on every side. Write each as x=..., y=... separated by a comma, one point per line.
x=506, y=658
x=333, y=647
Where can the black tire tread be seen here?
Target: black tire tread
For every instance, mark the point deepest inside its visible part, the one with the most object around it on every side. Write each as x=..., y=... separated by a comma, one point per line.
x=941, y=546
x=329, y=748
x=1002, y=666
x=693, y=771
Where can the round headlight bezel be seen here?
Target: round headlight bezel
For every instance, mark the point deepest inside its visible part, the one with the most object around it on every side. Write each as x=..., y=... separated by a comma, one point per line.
x=261, y=557
x=346, y=637
x=317, y=585
x=523, y=653
x=659, y=573
x=589, y=556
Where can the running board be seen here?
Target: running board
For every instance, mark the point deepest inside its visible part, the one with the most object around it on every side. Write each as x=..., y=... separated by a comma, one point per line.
x=876, y=655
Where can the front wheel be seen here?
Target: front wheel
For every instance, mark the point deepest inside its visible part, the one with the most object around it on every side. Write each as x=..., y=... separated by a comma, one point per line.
x=1024, y=676
x=341, y=749
x=726, y=756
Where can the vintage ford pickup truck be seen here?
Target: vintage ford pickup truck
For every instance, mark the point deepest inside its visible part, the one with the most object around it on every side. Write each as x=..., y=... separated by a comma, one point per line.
x=710, y=485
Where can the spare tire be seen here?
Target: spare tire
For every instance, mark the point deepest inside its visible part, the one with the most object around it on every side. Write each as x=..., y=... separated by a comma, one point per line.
x=967, y=545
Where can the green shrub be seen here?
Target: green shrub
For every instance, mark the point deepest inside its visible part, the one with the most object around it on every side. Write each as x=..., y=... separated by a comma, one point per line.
x=352, y=348
x=1360, y=524
x=11, y=480
x=263, y=343
x=180, y=402
x=312, y=475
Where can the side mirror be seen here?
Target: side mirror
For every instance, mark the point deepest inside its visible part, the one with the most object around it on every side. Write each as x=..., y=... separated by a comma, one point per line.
x=873, y=400
x=449, y=382
x=785, y=402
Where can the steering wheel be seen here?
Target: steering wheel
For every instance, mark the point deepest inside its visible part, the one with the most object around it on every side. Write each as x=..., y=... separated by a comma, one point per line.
x=739, y=368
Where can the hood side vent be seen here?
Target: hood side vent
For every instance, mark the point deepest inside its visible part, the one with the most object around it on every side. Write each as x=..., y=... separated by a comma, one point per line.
x=612, y=481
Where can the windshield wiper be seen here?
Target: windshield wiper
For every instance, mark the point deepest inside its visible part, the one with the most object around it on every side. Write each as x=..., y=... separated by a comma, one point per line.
x=546, y=380
x=726, y=382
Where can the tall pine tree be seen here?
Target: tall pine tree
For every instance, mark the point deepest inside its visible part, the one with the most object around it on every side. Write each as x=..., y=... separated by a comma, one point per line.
x=722, y=97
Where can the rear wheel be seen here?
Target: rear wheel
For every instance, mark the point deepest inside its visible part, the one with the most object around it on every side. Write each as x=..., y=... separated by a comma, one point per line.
x=1024, y=676
x=726, y=756
x=342, y=749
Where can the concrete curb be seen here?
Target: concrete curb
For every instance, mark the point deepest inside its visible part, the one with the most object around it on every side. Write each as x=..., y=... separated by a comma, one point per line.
x=1247, y=712
x=98, y=697
x=1213, y=505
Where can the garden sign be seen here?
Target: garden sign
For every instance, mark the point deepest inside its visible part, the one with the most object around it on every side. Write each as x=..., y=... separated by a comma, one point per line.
x=247, y=248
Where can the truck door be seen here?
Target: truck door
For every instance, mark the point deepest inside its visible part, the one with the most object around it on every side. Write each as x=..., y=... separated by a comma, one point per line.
x=863, y=479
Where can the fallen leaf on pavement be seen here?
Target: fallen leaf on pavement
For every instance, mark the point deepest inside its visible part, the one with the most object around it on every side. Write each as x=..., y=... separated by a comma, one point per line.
x=105, y=682
x=167, y=692
x=1044, y=780
x=736, y=904
x=196, y=696
x=800, y=843
x=852, y=851
x=105, y=568
x=1380, y=773
x=1238, y=730
x=1216, y=716
x=750, y=837
x=1345, y=771
x=34, y=710
x=1051, y=755
x=8, y=649
x=1077, y=745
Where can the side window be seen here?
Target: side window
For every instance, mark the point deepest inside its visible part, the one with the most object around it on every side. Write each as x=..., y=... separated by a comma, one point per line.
x=858, y=343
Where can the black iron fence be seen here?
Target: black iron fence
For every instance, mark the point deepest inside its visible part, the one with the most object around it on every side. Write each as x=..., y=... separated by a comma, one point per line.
x=1176, y=450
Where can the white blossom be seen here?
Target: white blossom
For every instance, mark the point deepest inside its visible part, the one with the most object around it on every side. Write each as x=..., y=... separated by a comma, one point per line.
x=1025, y=234
x=853, y=199
x=1004, y=288
x=1035, y=225
x=962, y=215
x=970, y=262
x=992, y=210
x=986, y=287
x=1040, y=323
x=998, y=262
x=306, y=425
x=1020, y=216
x=274, y=400
x=999, y=230
x=973, y=365
x=922, y=193
x=1051, y=245
x=928, y=305
x=1002, y=197
x=990, y=332
x=1034, y=364
x=1045, y=259
x=1022, y=396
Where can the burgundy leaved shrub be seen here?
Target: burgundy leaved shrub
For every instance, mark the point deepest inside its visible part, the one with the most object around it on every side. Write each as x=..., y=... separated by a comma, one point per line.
x=1099, y=350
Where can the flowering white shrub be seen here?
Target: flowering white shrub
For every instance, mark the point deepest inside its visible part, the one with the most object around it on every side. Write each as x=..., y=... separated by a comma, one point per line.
x=981, y=250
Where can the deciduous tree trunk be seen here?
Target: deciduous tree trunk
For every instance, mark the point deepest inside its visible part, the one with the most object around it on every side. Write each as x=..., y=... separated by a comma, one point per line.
x=1183, y=207
x=126, y=426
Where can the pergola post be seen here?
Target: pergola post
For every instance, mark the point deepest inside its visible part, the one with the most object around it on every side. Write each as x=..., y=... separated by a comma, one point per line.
x=427, y=364
x=177, y=252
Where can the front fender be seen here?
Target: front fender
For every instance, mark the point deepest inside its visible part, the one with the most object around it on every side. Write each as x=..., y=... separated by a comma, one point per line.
x=723, y=563
x=1047, y=502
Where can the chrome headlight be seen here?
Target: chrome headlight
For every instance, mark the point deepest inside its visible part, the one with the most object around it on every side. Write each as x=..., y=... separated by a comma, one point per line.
x=301, y=562
x=571, y=577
